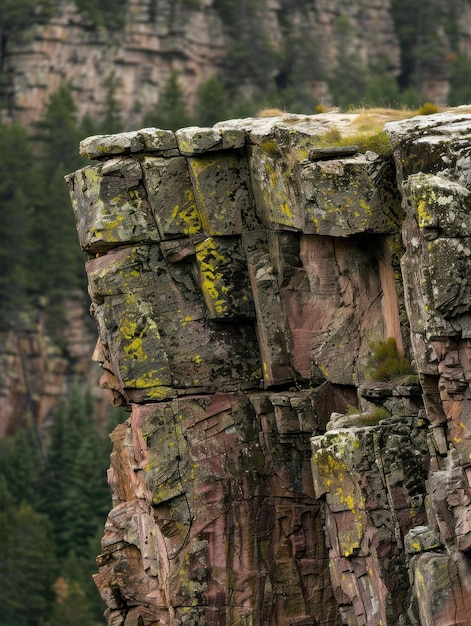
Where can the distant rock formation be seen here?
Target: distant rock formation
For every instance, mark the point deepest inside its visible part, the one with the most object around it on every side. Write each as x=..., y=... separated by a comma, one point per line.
x=241, y=276
x=37, y=370
x=132, y=64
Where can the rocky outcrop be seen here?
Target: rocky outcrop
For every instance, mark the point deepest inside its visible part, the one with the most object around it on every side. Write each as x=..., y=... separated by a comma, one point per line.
x=241, y=277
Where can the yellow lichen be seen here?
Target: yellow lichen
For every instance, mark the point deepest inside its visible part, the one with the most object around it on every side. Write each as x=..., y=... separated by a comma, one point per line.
x=209, y=260
x=186, y=217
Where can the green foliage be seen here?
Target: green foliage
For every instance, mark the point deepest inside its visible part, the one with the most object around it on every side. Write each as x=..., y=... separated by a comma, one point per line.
x=51, y=520
x=77, y=602
x=16, y=221
x=250, y=58
x=75, y=496
x=111, y=122
x=212, y=105
x=381, y=87
x=28, y=566
x=421, y=28
x=19, y=463
x=460, y=81
x=349, y=80
x=298, y=64
x=171, y=111
x=16, y=16
x=110, y=14
x=385, y=362
x=39, y=251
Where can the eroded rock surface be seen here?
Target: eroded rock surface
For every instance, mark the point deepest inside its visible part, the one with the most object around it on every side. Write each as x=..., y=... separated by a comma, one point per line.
x=239, y=276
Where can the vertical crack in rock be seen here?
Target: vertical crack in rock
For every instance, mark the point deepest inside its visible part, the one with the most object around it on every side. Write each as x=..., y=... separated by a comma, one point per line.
x=242, y=280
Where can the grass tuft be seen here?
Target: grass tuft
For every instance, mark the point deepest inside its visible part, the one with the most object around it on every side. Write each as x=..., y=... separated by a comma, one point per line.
x=385, y=362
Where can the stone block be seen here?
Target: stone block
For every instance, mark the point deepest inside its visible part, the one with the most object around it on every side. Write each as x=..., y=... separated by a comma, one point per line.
x=111, y=206
x=133, y=142
x=420, y=539
x=439, y=205
x=196, y=140
x=222, y=190
x=276, y=199
x=343, y=197
x=271, y=325
x=440, y=596
x=170, y=195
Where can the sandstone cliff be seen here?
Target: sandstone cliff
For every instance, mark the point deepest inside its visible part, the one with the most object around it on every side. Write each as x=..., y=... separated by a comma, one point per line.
x=251, y=44
x=241, y=277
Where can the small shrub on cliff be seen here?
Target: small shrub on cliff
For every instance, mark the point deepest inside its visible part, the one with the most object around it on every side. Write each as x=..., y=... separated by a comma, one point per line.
x=428, y=109
x=386, y=363
x=372, y=418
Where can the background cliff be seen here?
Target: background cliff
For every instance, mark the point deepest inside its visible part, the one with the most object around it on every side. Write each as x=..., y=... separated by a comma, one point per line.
x=230, y=56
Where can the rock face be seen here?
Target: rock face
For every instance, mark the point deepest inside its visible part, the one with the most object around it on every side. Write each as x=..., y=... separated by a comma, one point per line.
x=35, y=372
x=240, y=276
x=193, y=37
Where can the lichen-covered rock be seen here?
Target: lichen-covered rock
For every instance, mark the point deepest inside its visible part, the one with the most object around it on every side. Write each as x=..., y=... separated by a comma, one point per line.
x=216, y=515
x=347, y=196
x=241, y=282
x=111, y=206
x=373, y=479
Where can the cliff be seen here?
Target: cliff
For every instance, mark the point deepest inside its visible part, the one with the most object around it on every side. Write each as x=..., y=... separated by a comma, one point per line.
x=287, y=318
x=37, y=368
x=250, y=46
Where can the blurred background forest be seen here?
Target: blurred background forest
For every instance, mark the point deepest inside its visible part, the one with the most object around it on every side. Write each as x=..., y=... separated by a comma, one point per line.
x=215, y=59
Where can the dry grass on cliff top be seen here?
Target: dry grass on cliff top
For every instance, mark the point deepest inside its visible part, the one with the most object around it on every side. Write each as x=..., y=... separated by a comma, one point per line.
x=367, y=128
x=363, y=126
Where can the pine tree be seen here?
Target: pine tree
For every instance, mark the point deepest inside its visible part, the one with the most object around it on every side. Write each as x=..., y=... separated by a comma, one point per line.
x=111, y=122
x=171, y=111
x=212, y=105
x=76, y=496
x=58, y=259
x=18, y=187
x=19, y=462
x=27, y=567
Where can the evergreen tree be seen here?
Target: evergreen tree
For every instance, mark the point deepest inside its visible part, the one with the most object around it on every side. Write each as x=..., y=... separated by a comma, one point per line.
x=19, y=462
x=112, y=122
x=249, y=59
x=110, y=14
x=58, y=259
x=27, y=567
x=76, y=495
x=381, y=87
x=18, y=187
x=60, y=458
x=212, y=103
x=171, y=111
x=77, y=599
x=421, y=28
x=460, y=81
x=348, y=82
